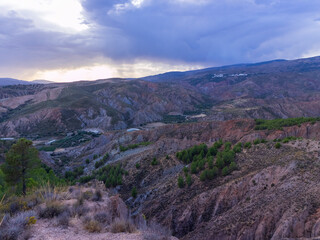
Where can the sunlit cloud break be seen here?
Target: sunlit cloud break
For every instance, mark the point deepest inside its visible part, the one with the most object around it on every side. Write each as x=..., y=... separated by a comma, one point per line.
x=88, y=39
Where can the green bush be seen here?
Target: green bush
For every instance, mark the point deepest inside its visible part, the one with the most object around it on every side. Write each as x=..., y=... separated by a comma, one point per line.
x=185, y=170
x=227, y=146
x=154, y=162
x=133, y=146
x=247, y=145
x=256, y=141
x=73, y=175
x=138, y=165
x=102, y=161
x=203, y=175
x=263, y=141
x=111, y=175
x=278, y=124
x=277, y=145
x=225, y=171
x=220, y=163
x=181, y=182
x=134, y=192
x=237, y=148
x=189, y=180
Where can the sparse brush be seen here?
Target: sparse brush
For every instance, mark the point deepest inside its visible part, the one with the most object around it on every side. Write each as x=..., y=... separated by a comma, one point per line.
x=15, y=227
x=97, y=196
x=78, y=210
x=87, y=195
x=102, y=217
x=93, y=226
x=157, y=230
x=48, y=192
x=63, y=219
x=121, y=225
x=51, y=210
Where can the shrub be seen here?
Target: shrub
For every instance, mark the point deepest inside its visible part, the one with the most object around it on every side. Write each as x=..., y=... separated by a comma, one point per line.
x=210, y=162
x=63, y=219
x=203, y=175
x=134, y=192
x=277, y=145
x=278, y=124
x=233, y=166
x=256, y=141
x=227, y=145
x=102, y=161
x=220, y=163
x=225, y=171
x=238, y=147
x=138, y=166
x=87, y=195
x=14, y=228
x=194, y=167
x=186, y=170
x=97, y=196
x=119, y=226
x=212, y=173
x=167, y=157
x=78, y=210
x=93, y=226
x=247, y=145
x=189, y=180
x=180, y=182
x=263, y=140
x=86, y=179
x=154, y=162
x=87, y=161
x=102, y=217
x=15, y=207
x=51, y=210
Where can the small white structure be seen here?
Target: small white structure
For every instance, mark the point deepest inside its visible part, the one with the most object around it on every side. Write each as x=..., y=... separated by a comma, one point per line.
x=133, y=129
x=6, y=139
x=52, y=141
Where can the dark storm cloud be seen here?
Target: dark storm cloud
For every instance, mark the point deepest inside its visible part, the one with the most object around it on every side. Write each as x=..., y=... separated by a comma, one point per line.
x=207, y=32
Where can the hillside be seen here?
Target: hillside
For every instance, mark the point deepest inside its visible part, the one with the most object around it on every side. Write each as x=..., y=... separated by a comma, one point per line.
x=51, y=109
x=281, y=180
x=276, y=89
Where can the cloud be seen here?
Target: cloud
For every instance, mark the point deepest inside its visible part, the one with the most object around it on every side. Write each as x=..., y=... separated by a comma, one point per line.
x=169, y=32
x=210, y=32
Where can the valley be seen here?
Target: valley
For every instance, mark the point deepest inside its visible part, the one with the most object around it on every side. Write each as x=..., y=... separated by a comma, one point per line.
x=221, y=153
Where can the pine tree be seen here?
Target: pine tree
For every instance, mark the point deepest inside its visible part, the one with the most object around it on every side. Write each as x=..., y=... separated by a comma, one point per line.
x=134, y=192
x=21, y=158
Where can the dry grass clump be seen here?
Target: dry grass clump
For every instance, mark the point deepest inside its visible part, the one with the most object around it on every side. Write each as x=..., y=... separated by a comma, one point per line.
x=97, y=196
x=121, y=226
x=155, y=231
x=63, y=220
x=51, y=210
x=16, y=227
x=93, y=226
x=102, y=217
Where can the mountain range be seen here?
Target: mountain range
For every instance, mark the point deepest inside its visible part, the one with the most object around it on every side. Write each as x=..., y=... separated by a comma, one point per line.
x=268, y=90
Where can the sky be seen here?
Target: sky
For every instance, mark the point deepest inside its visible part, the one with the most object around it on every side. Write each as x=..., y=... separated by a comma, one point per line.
x=69, y=40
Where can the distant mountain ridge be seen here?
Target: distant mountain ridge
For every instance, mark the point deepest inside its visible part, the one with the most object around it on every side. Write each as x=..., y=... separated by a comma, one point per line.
x=268, y=90
x=12, y=81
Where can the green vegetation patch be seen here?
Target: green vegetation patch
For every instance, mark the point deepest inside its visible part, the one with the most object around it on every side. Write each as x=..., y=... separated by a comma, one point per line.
x=174, y=119
x=278, y=124
x=70, y=141
x=133, y=146
x=209, y=162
